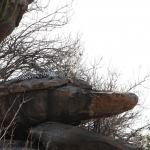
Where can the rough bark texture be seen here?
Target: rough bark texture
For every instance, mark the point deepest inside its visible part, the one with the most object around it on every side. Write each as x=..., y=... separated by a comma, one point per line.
x=66, y=137
x=7, y=28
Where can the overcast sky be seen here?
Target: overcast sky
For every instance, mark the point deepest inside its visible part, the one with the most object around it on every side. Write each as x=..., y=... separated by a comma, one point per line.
x=117, y=30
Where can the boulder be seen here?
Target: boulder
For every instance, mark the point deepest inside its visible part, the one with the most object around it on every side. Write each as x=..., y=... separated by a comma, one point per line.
x=42, y=100
x=65, y=137
x=18, y=148
x=19, y=145
x=35, y=84
x=63, y=100
x=8, y=25
x=7, y=144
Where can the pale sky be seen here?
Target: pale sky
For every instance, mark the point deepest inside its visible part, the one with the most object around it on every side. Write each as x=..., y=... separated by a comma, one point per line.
x=117, y=30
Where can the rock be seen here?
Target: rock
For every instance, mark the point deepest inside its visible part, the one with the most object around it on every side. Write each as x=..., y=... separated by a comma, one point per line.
x=11, y=144
x=66, y=137
x=18, y=148
x=15, y=145
x=62, y=100
x=70, y=104
x=3, y=90
x=36, y=84
x=18, y=145
x=54, y=100
x=80, y=83
x=8, y=26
